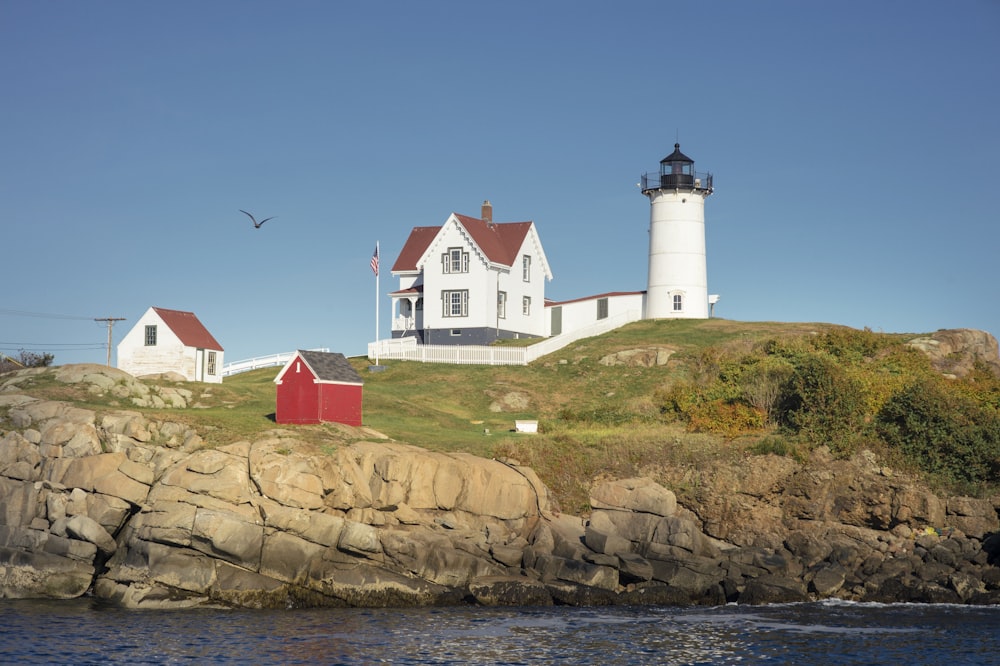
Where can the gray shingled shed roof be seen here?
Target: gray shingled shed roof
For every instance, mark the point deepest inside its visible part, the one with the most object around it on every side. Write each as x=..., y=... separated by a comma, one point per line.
x=330, y=367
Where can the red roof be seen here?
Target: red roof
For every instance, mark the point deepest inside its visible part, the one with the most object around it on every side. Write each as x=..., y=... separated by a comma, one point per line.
x=419, y=289
x=499, y=241
x=185, y=325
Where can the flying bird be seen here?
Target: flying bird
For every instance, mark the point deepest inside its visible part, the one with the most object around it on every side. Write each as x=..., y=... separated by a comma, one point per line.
x=256, y=224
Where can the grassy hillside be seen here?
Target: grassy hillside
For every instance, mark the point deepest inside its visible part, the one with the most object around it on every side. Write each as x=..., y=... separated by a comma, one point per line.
x=729, y=390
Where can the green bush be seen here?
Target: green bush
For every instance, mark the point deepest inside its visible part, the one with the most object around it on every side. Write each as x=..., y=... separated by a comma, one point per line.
x=824, y=404
x=851, y=345
x=944, y=431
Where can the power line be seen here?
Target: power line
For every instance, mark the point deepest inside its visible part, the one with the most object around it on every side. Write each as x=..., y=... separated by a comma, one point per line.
x=35, y=348
x=53, y=344
x=43, y=315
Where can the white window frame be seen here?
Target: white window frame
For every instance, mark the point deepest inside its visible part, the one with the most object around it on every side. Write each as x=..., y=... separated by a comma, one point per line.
x=455, y=260
x=150, y=338
x=526, y=306
x=678, y=302
x=455, y=303
x=211, y=363
x=502, y=304
x=526, y=268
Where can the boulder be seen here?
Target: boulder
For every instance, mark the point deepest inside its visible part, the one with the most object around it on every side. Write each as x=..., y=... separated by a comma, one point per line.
x=956, y=351
x=509, y=591
x=640, y=495
x=88, y=529
x=773, y=590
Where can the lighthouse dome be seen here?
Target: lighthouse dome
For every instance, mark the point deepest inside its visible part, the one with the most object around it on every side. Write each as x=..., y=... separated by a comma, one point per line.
x=677, y=169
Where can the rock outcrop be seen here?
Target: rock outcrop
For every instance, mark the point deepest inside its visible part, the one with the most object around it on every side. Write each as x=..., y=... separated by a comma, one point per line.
x=140, y=513
x=956, y=351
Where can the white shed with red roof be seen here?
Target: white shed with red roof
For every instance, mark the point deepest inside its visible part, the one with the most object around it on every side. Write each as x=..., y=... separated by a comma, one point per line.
x=171, y=341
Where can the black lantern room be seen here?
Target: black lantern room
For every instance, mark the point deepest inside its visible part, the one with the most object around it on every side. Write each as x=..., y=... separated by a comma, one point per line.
x=677, y=170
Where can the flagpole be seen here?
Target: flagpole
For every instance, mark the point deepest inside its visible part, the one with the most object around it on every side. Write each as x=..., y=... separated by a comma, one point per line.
x=377, y=259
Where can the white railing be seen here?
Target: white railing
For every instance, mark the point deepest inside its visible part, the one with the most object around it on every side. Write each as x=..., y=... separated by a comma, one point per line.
x=402, y=323
x=407, y=349
x=237, y=367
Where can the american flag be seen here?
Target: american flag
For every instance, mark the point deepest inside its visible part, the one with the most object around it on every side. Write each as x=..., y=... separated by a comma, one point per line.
x=375, y=261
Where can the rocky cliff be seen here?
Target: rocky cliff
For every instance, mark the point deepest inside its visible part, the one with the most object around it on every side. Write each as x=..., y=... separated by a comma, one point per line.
x=141, y=513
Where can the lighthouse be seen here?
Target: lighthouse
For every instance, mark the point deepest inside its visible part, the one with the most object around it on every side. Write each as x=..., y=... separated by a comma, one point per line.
x=678, y=275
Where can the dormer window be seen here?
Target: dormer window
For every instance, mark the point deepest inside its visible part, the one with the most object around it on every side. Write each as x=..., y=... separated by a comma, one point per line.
x=455, y=260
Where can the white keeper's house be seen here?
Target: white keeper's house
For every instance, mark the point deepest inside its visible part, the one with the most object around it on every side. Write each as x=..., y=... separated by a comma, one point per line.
x=471, y=281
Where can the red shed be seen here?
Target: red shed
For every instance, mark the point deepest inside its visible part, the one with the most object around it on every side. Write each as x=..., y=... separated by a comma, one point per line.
x=318, y=386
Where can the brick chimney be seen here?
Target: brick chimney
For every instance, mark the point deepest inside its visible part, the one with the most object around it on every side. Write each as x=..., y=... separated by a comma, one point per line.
x=487, y=212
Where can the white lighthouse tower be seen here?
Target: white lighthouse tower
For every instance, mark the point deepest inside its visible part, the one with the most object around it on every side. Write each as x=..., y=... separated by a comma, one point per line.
x=678, y=276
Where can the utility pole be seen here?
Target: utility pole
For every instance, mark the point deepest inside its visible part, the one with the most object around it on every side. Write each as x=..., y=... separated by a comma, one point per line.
x=111, y=322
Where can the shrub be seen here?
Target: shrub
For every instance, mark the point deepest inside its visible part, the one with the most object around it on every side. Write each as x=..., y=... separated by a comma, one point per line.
x=776, y=445
x=824, y=404
x=851, y=344
x=725, y=417
x=763, y=384
x=944, y=432
x=25, y=359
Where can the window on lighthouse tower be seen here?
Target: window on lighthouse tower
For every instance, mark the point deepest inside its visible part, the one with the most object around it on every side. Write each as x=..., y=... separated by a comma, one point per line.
x=678, y=302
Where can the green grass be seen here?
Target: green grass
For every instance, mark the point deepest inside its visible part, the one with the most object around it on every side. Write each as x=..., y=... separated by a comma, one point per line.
x=448, y=407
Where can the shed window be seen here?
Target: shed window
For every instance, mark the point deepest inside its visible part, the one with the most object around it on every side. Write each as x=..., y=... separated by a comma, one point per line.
x=151, y=335
x=211, y=363
x=602, y=308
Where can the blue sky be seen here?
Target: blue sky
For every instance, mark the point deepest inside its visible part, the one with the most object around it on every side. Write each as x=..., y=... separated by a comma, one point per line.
x=854, y=147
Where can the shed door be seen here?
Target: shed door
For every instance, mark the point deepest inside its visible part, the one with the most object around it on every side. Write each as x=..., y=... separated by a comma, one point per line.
x=556, y=328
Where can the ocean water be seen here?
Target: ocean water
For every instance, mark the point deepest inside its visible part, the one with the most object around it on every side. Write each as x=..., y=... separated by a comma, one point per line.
x=827, y=633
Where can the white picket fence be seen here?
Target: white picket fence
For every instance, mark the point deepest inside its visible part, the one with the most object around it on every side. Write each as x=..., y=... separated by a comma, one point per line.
x=237, y=367
x=407, y=349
